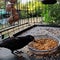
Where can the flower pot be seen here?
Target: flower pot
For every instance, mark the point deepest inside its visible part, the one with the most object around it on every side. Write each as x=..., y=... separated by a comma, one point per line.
x=13, y=1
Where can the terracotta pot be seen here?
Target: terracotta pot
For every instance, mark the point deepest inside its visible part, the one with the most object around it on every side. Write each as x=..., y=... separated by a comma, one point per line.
x=13, y=19
x=14, y=11
x=13, y=1
x=9, y=7
x=16, y=17
x=10, y=20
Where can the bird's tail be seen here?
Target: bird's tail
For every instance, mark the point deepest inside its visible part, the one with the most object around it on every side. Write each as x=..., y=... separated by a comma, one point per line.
x=1, y=44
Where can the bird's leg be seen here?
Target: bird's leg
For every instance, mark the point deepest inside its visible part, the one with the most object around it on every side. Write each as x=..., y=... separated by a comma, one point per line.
x=19, y=52
x=12, y=52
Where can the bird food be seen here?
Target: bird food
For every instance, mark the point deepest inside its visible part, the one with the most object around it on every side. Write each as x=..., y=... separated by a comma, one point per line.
x=44, y=44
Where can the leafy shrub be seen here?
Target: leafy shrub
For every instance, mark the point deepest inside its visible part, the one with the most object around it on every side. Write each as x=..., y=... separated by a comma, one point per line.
x=51, y=14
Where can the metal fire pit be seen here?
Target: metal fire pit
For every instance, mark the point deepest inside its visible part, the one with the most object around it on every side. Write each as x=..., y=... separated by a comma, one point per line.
x=36, y=30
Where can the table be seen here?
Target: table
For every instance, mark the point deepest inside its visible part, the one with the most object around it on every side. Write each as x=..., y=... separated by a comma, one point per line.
x=5, y=54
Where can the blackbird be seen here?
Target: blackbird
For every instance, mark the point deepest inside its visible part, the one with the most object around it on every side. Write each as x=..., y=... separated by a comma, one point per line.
x=14, y=43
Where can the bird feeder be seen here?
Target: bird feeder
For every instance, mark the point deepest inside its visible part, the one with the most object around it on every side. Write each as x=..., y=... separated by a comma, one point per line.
x=49, y=1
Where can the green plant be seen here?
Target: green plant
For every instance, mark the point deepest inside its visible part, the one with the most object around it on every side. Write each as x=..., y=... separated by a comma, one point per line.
x=51, y=14
x=2, y=4
x=55, y=14
x=23, y=14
